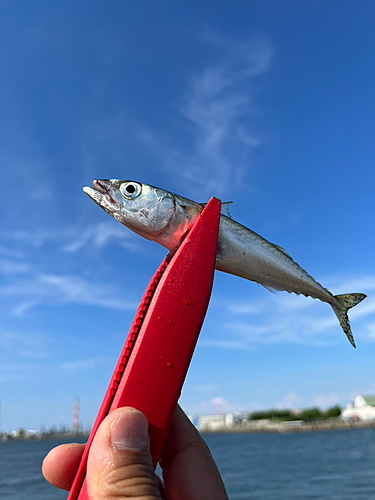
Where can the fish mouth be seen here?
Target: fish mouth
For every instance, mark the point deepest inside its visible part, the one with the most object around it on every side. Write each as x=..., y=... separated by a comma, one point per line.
x=100, y=192
x=101, y=185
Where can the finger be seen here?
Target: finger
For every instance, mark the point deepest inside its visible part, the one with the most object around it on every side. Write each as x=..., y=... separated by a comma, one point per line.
x=119, y=464
x=189, y=471
x=61, y=464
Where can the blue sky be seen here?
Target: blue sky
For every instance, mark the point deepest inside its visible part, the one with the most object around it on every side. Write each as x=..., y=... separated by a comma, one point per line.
x=268, y=104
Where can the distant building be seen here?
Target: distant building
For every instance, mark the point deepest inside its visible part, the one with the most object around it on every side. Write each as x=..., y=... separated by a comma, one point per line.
x=214, y=422
x=362, y=409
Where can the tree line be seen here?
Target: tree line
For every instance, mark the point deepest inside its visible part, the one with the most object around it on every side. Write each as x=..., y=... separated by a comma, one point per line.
x=307, y=414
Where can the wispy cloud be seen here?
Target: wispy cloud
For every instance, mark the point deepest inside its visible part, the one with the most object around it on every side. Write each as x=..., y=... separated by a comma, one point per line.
x=13, y=267
x=101, y=235
x=208, y=151
x=293, y=400
x=34, y=354
x=217, y=404
x=82, y=365
x=289, y=400
x=35, y=238
x=370, y=328
x=207, y=387
x=329, y=399
x=27, y=341
x=220, y=404
x=285, y=318
x=23, y=307
x=31, y=175
x=342, y=398
x=73, y=238
x=12, y=371
x=9, y=252
x=248, y=58
x=217, y=105
x=64, y=289
x=223, y=344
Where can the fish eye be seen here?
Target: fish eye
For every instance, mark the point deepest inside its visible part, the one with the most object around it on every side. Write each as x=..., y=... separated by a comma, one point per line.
x=130, y=190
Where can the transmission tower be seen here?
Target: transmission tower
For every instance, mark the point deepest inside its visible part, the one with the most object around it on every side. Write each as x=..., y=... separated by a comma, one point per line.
x=75, y=416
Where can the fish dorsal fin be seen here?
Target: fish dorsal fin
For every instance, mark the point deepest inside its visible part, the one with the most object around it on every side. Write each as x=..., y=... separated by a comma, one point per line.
x=224, y=208
x=281, y=249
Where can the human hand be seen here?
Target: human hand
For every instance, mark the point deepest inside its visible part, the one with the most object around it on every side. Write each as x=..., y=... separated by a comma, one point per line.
x=120, y=465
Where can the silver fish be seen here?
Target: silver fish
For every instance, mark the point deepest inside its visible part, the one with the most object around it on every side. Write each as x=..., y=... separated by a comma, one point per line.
x=164, y=217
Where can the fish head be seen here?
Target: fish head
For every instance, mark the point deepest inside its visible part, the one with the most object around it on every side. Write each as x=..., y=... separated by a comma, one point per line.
x=144, y=209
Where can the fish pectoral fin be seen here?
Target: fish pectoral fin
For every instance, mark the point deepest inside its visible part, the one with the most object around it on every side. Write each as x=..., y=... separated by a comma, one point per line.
x=224, y=208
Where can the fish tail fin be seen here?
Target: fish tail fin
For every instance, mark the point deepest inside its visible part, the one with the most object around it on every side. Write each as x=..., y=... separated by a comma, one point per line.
x=343, y=304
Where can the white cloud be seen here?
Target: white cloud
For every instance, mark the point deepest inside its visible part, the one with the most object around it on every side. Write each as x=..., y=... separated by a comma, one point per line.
x=75, y=289
x=223, y=344
x=16, y=340
x=211, y=149
x=74, y=238
x=367, y=307
x=63, y=289
x=241, y=308
x=12, y=371
x=31, y=176
x=207, y=387
x=82, y=365
x=35, y=238
x=9, y=252
x=13, y=267
x=214, y=405
x=326, y=400
x=101, y=235
x=251, y=58
x=370, y=328
x=216, y=106
x=290, y=400
x=361, y=284
x=288, y=318
x=221, y=405
x=20, y=309
x=33, y=354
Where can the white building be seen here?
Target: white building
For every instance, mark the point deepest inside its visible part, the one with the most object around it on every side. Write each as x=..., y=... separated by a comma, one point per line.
x=363, y=409
x=214, y=422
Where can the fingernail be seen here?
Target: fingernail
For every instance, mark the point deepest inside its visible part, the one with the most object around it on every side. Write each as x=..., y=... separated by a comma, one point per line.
x=130, y=430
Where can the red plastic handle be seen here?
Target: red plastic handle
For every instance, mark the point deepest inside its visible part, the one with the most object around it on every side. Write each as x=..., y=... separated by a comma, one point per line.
x=154, y=361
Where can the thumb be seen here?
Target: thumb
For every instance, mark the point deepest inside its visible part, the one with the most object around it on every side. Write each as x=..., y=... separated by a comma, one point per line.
x=119, y=464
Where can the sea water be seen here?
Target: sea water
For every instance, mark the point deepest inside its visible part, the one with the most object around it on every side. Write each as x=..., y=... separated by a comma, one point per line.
x=334, y=465
x=317, y=465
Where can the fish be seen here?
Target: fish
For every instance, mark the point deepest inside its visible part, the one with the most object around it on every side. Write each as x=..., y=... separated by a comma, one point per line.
x=166, y=218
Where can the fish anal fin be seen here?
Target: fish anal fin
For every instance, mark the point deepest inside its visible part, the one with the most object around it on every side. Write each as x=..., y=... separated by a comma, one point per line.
x=269, y=288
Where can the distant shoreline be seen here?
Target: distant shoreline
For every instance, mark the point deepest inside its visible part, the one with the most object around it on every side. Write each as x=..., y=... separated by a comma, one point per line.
x=281, y=428
x=247, y=428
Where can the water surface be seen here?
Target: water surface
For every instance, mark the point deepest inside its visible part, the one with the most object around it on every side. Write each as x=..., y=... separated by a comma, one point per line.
x=318, y=465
